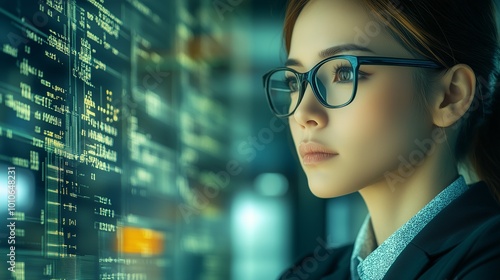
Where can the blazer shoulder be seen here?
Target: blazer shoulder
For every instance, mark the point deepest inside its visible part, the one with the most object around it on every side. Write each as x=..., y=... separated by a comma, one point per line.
x=480, y=252
x=475, y=257
x=321, y=262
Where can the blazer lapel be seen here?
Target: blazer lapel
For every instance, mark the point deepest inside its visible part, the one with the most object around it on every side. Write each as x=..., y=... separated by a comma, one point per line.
x=410, y=263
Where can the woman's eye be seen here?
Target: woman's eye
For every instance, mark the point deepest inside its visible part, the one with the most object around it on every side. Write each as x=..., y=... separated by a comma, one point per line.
x=292, y=84
x=344, y=74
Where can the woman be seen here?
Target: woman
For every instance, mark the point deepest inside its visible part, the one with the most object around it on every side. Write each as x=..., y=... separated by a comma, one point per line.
x=389, y=99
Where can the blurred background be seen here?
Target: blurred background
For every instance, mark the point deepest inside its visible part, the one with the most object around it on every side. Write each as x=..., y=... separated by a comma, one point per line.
x=143, y=146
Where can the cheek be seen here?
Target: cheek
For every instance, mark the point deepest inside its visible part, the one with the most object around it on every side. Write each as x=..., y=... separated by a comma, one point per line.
x=384, y=107
x=382, y=122
x=295, y=131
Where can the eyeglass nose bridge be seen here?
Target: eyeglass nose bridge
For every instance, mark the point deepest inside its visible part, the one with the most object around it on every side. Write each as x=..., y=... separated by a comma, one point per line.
x=303, y=79
x=307, y=78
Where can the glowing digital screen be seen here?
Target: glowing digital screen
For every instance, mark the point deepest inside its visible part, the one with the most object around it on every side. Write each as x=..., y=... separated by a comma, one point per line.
x=90, y=145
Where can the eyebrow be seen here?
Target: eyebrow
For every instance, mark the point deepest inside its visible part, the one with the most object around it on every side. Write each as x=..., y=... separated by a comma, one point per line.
x=331, y=52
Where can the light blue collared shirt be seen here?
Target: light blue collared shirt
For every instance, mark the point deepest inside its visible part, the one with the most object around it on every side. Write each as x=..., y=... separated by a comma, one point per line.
x=371, y=262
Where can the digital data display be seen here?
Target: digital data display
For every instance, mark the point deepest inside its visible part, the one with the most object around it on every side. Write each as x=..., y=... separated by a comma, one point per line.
x=90, y=180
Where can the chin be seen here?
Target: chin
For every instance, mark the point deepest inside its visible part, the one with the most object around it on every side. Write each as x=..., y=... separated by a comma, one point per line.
x=328, y=190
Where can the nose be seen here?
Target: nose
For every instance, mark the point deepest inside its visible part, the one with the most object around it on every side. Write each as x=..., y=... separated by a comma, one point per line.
x=310, y=113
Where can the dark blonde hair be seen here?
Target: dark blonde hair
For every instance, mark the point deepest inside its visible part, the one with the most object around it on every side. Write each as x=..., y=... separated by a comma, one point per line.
x=448, y=32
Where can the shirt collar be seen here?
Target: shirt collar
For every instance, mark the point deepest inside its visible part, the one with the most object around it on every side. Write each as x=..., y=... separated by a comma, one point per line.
x=370, y=262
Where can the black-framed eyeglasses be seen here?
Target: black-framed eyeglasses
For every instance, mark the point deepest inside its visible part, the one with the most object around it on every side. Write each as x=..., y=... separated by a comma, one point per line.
x=334, y=81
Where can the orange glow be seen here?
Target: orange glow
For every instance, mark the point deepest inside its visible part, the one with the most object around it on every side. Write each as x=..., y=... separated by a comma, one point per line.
x=141, y=241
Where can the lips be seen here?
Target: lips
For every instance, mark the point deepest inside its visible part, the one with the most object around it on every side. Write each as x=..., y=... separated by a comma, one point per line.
x=313, y=153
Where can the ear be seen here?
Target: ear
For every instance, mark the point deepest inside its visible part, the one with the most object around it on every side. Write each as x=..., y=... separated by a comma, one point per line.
x=454, y=95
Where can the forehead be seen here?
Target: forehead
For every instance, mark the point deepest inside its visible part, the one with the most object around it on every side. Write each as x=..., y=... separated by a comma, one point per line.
x=323, y=24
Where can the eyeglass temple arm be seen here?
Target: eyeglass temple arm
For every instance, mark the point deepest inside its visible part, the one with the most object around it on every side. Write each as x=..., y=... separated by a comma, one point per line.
x=399, y=62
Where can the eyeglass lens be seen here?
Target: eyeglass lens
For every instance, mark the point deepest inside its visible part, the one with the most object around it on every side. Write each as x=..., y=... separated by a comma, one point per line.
x=334, y=82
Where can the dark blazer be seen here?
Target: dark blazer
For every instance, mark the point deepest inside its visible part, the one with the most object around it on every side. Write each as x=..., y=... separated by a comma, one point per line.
x=461, y=242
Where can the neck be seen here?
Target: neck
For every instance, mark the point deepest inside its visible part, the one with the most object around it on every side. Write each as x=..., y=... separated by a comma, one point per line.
x=396, y=198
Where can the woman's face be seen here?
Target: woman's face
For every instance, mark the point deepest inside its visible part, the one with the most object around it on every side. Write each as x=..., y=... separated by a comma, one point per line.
x=346, y=149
